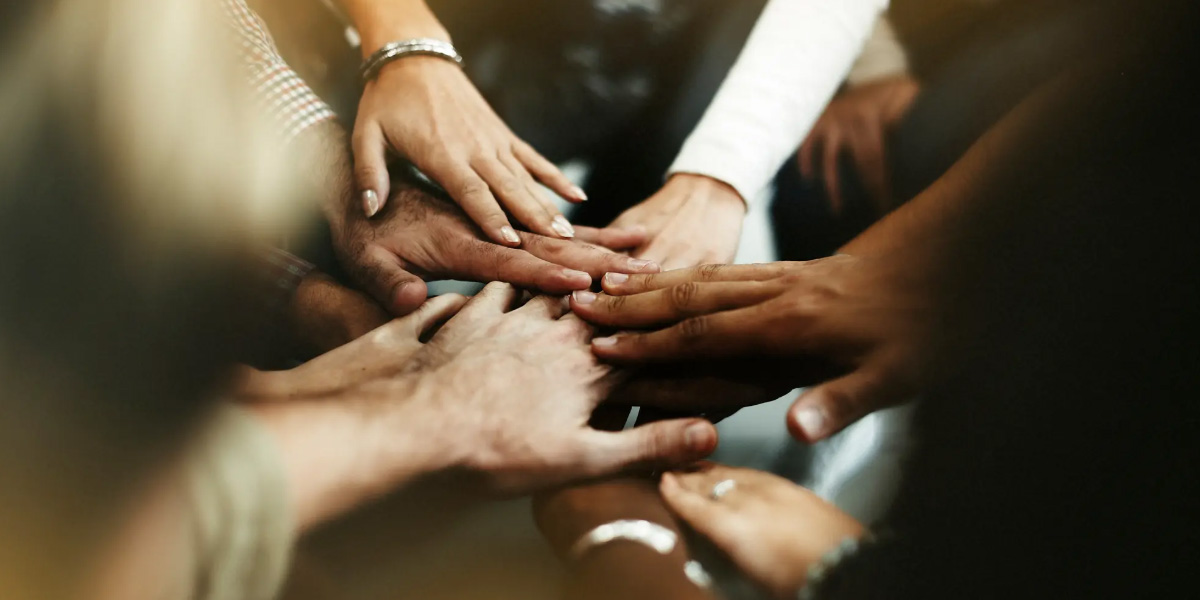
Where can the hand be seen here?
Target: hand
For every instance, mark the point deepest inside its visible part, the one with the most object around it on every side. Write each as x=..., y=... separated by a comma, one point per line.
x=508, y=395
x=692, y=220
x=865, y=319
x=419, y=236
x=714, y=390
x=772, y=529
x=324, y=315
x=426, y=110
x=858, y=121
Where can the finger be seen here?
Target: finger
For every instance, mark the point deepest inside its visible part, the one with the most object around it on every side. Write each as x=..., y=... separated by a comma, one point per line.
x=370, y=168
x=438, y=309
x=559, y=222
x=739, y=332
x=833, y=185
x=399, y=291
x=613, y=238
x=593, y=260
x=663, y=444
x=481, y=261
x=867, y=152
x=495, y=298
x=826, y=409
x=547, y=173
x=702, y=481
x=670, y=305
x=620, y=284
x=512, y=192
x=708, y=518
x=551, y=307
x=475, y=197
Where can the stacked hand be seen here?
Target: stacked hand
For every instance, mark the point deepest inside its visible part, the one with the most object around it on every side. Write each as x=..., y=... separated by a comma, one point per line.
x=418, y=236
x=692, y=220
x=772, y=529
x=863, y=319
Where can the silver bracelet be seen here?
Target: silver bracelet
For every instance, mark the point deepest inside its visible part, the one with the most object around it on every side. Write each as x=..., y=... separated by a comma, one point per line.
x=652, y=535
x=397, y=50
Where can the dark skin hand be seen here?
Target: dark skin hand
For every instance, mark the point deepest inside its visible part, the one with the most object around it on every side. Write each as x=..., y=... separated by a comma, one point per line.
x=863, y=318
x=714, y=390
x=418, y=237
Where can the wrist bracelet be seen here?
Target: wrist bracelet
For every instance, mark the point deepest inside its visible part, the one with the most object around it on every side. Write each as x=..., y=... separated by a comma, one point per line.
x=652, y=535
x=397, y=50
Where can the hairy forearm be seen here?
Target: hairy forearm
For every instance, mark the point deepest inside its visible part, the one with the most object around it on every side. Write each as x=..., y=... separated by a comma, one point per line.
x=340, y=453
x=382, y=21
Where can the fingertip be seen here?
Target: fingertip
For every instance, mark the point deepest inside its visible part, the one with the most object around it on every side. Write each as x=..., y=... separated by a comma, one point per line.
x=507, y=236
x=807, y=422
x=576, y=280
x=700, y=437
x=408, y=296
x=371, y=203
x=562, y=227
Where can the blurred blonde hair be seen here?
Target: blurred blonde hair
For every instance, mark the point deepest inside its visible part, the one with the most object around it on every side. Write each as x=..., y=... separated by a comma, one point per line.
x=134, y=174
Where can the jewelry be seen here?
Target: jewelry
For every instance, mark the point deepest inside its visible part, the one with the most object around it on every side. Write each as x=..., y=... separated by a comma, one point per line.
x=652, y=535
x=397, y=50
x=721, y=488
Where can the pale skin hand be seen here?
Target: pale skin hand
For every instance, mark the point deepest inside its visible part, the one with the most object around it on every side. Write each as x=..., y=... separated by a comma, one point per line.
x=386, y=409
x=858, y=122
x=864, y=317
x=772, y=529
x=692, y=220
x=426, y=110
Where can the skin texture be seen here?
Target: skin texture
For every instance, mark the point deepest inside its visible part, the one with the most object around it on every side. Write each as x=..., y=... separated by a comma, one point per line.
x=858, y=123
x=387, y=409
x=692, y=220
x=772, y=529
x=324, y=315
x=858, y=320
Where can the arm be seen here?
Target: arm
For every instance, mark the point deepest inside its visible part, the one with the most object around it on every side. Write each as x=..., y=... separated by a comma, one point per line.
x=618, y=569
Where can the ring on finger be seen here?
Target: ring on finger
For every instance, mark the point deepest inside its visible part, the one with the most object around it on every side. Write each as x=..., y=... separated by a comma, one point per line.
x=722, y=488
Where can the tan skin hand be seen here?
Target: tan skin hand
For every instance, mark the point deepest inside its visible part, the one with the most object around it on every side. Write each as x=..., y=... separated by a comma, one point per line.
x=772, y=529
x=418, y=237
x=858, y=122
x=866, y=319
x=427, y=111
x=692, y=220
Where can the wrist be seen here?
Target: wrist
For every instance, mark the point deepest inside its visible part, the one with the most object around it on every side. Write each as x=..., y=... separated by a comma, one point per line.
x=703, y=186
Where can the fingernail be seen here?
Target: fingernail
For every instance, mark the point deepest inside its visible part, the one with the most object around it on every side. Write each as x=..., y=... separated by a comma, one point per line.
x=605, y=342
x=811, y=421
x=578, y=277
x=615, y=278
x=642, y=265
x=578, y=193
x=698, y=437
x=370, y=203
x=563, y=227
x=510, y=235
x=583, y=297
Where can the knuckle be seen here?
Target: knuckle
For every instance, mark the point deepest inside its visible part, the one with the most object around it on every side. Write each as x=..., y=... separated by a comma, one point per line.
x=683, y=296
x=472, y=188
x=616, y=304
x=694, y=329
x=708, y=272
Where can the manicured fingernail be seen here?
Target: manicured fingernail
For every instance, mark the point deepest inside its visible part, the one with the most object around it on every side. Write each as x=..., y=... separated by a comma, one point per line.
x=583, y=297
x=578, y=277
x=510, y=235
x=370, y=203
x=811, y=421
x=698, y=437
x=578, y=194
x=615, y=278
x=563, y=227
x=605, y=342
x=642, y=265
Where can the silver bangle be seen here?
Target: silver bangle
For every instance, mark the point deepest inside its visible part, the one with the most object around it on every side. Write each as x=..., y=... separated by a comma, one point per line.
x=397, y=50
x=652, y=535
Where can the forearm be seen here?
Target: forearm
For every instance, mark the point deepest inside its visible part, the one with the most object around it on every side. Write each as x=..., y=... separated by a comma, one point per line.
x=340, y=453
x=382, y=21
x=618, y=569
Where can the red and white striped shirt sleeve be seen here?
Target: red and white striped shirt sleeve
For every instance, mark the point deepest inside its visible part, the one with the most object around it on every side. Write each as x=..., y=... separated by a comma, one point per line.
x=280, y=91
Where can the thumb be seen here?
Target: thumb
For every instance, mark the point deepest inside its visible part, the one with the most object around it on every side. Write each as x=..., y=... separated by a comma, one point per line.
x=434, y=311
x=826, y=409
x=661, y=444
x=370, y=169
x=399, y=291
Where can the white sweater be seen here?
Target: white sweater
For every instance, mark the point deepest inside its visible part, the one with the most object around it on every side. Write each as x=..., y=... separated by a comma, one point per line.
x=796, y=57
